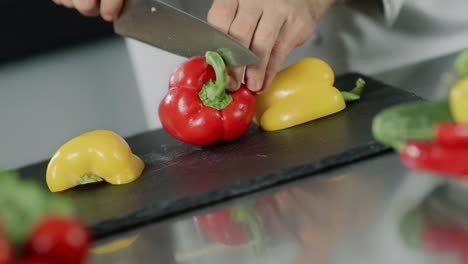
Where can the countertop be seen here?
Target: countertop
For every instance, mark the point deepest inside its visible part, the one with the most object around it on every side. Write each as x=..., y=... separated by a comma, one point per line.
x=374, y=211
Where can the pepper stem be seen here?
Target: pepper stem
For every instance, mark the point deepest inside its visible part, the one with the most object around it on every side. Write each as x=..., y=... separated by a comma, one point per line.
x=355, y=93
x=213, y=92
x=243, y=213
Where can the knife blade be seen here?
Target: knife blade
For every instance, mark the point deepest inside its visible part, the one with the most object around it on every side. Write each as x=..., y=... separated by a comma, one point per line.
x=166, y=27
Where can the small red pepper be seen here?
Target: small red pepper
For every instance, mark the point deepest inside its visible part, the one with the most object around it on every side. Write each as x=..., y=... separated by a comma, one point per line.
x=452, y=134
x=435, y=158
x=59, y=240
x=447, y=154
x=199, y=110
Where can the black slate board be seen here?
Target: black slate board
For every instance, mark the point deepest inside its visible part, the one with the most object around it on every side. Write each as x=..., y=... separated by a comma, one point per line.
x=179, y=177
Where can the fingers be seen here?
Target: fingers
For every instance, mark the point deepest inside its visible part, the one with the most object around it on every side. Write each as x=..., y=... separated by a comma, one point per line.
x=295, y=31
x=67, y=3
x=87, y=7
x=271, y=29
x=222, y=13
x=110, y=9
x=263, y=41
x=243, y=28
x=278, y=55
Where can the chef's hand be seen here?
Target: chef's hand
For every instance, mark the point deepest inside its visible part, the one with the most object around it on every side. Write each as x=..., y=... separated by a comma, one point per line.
x=108, y=9
x=270, y=28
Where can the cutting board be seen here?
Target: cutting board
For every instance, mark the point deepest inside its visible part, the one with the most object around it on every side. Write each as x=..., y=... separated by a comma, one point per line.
x=179, y=177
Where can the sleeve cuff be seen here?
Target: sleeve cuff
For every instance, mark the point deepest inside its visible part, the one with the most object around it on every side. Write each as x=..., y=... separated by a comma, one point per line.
x=387, y=11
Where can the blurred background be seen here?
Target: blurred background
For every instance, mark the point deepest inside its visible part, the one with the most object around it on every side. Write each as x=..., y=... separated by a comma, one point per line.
x=62, y=74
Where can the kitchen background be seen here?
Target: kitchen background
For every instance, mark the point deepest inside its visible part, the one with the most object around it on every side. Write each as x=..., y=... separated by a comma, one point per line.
x=62, y=74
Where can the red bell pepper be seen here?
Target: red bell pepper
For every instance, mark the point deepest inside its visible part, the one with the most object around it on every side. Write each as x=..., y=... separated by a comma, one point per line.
x=219, y=227
x=234, y=226
x=198, y=109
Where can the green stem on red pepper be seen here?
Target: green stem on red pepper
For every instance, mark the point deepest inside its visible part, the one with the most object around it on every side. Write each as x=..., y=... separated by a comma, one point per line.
x=213, y=93
x=243, y=213
x=355, y=93
x=227, y=56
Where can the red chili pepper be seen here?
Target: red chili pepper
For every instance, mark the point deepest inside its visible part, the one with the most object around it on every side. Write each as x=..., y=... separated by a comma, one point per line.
x=452, y=134
x=435, y=158
x=59, y=240
x=198, y=109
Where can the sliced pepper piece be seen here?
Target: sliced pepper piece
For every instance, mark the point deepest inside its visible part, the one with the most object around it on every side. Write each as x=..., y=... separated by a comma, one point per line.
x=99, y=155
x=300, y=93
x=458, y=99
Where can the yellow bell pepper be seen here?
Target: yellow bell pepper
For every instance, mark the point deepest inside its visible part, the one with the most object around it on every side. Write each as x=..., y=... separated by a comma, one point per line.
x=458, y=99
x=300, y=93
x=99, y=155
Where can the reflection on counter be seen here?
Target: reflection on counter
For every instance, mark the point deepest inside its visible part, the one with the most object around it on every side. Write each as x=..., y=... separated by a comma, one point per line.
x=293, y=225
x=438, y=226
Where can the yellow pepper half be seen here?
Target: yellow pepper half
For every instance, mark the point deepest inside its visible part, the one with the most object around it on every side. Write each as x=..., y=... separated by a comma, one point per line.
x=300, y=93
x=99, y=155
x=458, y=99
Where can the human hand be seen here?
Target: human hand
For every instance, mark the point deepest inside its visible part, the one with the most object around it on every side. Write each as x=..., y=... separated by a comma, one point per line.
x=108, y=9
x=270, y=28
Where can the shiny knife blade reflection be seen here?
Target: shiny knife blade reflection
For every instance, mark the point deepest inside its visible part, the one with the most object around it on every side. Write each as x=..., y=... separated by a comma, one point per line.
x=161, y=25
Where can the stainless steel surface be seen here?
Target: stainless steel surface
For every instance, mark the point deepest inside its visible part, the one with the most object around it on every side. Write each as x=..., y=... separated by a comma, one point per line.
x=164, y=26
x=352, y=215
x=375, y=211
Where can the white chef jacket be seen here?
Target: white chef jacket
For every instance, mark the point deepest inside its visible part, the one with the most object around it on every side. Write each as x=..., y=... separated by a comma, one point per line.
x=367, y=36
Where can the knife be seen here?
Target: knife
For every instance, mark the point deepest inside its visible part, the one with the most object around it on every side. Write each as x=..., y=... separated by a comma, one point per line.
x=166, y=27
